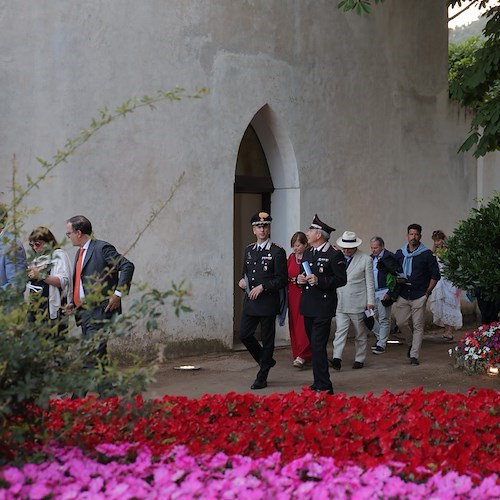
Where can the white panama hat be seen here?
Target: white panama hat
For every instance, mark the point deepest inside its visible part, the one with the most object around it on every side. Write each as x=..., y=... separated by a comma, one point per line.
x=349, y=240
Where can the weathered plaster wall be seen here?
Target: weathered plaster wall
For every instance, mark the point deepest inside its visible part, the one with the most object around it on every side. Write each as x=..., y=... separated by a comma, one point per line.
x=362, y=123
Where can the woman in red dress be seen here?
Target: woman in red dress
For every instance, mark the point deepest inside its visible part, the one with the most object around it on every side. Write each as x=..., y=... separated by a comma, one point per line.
x=301, y=349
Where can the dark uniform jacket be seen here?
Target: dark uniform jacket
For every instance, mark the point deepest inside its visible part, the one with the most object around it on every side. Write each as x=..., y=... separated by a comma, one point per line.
x=266, y=268
x=329, y=266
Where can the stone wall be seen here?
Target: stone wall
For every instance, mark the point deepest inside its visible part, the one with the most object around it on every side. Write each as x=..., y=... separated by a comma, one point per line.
x=352, y=112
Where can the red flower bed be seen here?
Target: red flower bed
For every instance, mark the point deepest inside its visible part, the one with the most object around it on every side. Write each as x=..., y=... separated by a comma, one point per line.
x=437, y=431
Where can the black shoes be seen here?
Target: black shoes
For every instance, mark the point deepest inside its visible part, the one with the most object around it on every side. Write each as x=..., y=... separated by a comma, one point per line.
x=262, y=384
x=336, y=363
x=258, y=384
x=378, y=350
x=313, y=388
x=414, y=361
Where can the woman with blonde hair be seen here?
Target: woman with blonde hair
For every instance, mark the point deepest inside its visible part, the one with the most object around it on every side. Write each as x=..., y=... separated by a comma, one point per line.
x=444, y=303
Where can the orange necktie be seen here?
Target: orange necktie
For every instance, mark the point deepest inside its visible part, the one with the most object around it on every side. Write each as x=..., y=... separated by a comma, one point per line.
x=78, y=275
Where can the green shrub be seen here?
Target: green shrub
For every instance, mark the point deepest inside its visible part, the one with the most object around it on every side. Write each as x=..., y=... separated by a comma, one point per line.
x=472, y=258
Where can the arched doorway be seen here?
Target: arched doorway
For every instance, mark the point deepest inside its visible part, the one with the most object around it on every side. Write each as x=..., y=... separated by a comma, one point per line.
x=252, y=193
x=266, y=179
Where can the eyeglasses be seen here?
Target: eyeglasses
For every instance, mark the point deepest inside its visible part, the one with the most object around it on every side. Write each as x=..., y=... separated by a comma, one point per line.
x=71, y=232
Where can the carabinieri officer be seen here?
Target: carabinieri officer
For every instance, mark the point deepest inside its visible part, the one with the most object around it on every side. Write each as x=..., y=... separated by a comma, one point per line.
x=264, y=275
x=324, y=270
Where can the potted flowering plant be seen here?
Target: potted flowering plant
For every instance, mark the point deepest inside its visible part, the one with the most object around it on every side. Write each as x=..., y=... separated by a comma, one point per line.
x=478, y=351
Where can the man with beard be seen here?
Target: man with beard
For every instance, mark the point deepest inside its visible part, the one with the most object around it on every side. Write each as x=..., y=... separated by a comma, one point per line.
x=420, y=275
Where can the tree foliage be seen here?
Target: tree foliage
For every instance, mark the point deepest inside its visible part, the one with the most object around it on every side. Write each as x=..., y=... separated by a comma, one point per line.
x=361, y=7
x=462, y=56
x=475, y=82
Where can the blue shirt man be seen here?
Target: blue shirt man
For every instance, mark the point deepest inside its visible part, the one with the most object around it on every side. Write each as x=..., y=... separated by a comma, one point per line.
x=421, y=270
x=12, y=257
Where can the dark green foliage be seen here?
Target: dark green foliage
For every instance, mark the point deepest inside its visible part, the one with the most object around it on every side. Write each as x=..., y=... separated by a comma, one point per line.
x=361, y=7
x=37, y=364
x=472, y=257
x=474, y=79
x=462, y=56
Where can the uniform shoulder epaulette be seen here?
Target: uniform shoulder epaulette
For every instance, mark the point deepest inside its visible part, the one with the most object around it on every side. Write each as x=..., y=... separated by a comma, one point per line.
x=276, y=245
x=251, y=245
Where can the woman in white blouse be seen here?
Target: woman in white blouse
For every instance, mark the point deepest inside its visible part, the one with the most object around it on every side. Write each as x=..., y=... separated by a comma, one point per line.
x=50, y=274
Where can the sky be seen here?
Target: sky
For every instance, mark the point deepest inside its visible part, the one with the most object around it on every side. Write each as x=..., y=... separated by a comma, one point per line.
x=466, y=18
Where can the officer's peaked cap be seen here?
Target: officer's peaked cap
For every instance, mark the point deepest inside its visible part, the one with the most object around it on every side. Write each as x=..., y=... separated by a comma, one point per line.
x=261, y=218
x=319, y=224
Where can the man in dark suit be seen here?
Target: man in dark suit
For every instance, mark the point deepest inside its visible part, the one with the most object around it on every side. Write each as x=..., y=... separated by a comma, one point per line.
x=264, y=275
x=101, y=275
x=319, y=296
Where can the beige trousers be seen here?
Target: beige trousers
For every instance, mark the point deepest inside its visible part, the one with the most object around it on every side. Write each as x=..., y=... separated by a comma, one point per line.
x=415, y=309
x=361, y=335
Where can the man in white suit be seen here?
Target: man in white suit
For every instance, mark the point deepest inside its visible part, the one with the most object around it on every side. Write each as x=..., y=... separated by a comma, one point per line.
x=354, y=298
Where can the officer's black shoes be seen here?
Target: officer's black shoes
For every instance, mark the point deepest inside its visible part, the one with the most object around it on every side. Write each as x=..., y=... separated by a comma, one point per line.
x=313, y=388
x=357, y=365
x=414, y=361
x=258, y=384
x=271, y=364
x=336, y=363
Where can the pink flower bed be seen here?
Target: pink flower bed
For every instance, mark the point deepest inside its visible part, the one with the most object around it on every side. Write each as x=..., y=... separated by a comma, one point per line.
x=72, y=474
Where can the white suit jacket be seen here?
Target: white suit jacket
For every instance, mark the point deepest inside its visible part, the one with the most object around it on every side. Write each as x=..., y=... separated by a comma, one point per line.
x=360, y=289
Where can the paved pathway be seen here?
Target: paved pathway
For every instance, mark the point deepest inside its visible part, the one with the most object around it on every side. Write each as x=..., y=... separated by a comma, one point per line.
x=235, y=371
